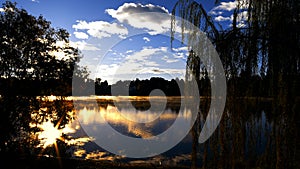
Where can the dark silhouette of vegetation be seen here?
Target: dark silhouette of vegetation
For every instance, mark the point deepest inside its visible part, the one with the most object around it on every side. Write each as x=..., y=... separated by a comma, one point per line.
x=144, y=87
x=102, y=88
x=264, y=54
x=260, y=59
x=250, y=135
x=36, y=61
x=173, y=87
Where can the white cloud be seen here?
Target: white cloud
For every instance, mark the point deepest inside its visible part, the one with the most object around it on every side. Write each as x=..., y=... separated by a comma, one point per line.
x=227, y=6
x=222, y=18
x=113, y=72
x=106, y=70
x=168, y=60
x=141, y=62
x=215, y=12
x=146, y=39
x=127, y=9
x=144, y=63
x=143, y=55
x=101, y=29
x=136, y=16
x=129, y=51
x=2, y=10
x=241, y=19
x=180, y=49
x=180, y=52
x=212, y=12
x=149, y=59
x=36, y=1
x=180, y=55
x=231, y=5
x=81, y=35
x=82, y=45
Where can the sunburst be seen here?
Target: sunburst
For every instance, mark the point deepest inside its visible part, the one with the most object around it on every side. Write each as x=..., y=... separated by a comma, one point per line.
x=49, y=136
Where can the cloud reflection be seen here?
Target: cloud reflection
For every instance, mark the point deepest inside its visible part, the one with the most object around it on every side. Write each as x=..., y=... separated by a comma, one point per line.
x=127, y=119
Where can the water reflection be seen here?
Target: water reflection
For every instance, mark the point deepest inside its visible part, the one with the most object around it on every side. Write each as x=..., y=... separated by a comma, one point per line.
x=124, y=120
x=252, y=133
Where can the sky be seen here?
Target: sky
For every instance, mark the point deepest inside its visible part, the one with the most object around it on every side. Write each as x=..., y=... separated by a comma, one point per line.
x=118, y=40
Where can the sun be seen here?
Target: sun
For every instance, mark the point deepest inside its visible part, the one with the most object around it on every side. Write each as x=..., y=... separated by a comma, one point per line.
x=50, y=134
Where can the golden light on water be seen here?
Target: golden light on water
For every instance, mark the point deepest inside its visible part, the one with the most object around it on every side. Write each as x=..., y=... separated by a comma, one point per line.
x=128, y=118
x=89, y=114
x=50, y=134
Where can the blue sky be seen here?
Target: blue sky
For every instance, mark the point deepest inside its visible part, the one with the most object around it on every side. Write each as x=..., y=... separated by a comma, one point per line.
x=117, y=41
x=64, y=13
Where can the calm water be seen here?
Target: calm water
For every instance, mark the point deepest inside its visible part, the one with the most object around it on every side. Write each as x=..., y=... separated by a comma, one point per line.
x=251, y=133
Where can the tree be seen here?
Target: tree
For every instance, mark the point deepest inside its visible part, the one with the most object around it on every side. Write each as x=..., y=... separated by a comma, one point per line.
x=32, y=55
x=31, y=49
x=264, y=53
x=267, y=45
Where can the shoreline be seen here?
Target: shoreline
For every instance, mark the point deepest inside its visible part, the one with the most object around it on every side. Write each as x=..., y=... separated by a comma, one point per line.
x=70, y=163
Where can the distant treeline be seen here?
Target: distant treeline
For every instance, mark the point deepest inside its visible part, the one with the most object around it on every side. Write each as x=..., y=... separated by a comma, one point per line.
x=140, y=87
x=173, y=87
x=256, y=86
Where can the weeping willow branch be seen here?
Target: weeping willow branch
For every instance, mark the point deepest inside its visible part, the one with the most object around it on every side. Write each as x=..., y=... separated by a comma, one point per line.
x=267, y=45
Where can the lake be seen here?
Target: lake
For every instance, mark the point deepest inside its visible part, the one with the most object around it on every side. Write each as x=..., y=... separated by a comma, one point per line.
x=252, y=132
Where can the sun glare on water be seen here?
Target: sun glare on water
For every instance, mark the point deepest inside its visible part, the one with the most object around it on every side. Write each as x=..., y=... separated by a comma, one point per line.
x=50, y=134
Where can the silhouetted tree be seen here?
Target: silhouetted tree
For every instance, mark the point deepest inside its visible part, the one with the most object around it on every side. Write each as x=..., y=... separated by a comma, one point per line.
x=32, y=50
x=260, y=58
x=40, y=60
x=267, y=45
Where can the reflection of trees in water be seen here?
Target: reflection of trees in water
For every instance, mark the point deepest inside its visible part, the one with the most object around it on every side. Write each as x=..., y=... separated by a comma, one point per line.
x=252, y=133
x=139, y=108
x=20, y=120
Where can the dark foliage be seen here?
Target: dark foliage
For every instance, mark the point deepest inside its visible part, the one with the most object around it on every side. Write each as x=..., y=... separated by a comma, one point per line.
x=30, y=70
x=266, y=47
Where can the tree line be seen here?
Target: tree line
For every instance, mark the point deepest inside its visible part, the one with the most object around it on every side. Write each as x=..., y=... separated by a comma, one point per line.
x=144, y=87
